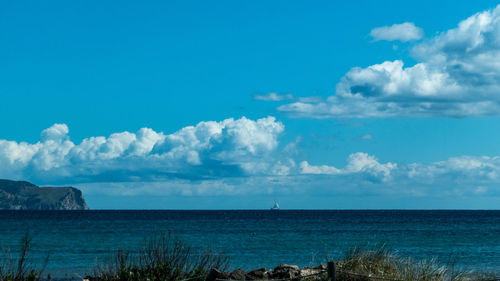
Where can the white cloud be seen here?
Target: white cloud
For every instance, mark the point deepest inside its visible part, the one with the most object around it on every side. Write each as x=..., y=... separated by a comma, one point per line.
x=306, y=168
x=209, y=149
x=456, y=176
x=481, y=190
x=239, y=156
x=274, y=97
x=461, y=168
x=458, y=75
x=362, y=174
x=56, y=132
x=357, y=163
x=367, y=137
x=403, y=32
x=362, y=162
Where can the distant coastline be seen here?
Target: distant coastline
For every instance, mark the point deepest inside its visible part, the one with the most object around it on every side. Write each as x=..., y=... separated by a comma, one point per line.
x=23, y=195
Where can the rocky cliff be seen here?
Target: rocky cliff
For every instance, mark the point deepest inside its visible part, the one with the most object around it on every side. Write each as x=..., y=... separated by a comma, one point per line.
x=22, y=195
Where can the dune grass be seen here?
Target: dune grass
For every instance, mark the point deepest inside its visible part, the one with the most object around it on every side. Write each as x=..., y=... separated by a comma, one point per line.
x=161, y=258
x=383, y=264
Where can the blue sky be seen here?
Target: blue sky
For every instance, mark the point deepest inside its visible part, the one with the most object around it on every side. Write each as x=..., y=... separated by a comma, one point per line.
x=232, y=104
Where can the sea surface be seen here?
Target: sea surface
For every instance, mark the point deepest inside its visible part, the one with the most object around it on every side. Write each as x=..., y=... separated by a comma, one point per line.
x=75, y=240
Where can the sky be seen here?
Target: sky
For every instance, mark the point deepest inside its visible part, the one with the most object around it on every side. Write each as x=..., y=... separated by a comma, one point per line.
x=234, y=104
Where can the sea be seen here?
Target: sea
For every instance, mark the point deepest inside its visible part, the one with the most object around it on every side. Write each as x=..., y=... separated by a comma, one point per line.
x=78, y=240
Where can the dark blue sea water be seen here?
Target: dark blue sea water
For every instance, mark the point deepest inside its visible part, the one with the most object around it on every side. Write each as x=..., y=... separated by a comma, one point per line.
x=75, y=239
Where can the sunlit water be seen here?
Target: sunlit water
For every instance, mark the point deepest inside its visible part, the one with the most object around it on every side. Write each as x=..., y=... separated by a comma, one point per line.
x=252, y=239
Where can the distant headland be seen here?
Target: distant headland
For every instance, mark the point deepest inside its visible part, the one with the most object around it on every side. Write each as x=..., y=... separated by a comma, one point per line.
x=22, y=195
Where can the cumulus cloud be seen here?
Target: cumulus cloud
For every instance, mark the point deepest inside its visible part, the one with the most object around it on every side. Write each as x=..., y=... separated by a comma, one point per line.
x=306, y=168
x=457, y=75
x=456, y=176
x=357, y=163
x=403, y=32
x=274, y=97
x=209, y=149
x=233, y=156
x=56, y=132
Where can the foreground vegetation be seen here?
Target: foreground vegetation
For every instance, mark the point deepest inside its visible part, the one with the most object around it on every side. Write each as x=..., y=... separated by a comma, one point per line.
x=165, y=258
x=161, y=258
x=19, y=266
x=384, y=264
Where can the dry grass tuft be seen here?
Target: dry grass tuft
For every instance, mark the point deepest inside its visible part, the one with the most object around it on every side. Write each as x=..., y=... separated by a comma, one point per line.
x=383, y=264
x=161, y=258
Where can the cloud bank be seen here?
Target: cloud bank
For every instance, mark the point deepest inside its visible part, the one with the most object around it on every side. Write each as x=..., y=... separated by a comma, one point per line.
x=209, y=149
x=229, y=157
x=403, y=32
x=458, y=75
x=456, y=176
x=362, y=175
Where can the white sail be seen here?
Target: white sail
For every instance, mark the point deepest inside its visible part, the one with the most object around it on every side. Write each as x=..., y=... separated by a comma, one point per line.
x=276, y=206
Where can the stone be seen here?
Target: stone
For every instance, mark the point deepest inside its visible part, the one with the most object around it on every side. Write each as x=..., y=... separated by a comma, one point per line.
x=321, y=266
x=258, y=274
x=223, y=275
x=312, y=273
x=238, y=274
x=285, y=271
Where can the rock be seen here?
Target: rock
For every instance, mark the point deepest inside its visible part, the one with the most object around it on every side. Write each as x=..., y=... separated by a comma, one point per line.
x=258, y=274
x=286, y=267
x=321, y=266
x=238, y=274
x=215, y=274
x=22, y=195
x=223, y=275
x=285, y=271
x=312, y=273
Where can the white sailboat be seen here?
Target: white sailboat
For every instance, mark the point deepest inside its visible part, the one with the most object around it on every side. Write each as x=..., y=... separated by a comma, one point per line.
x=276, y=206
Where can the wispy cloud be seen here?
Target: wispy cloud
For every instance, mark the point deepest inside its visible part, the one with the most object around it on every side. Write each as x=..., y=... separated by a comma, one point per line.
x=403, y=32
x=366, y=137
x=458, y=75
x=273, y=97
